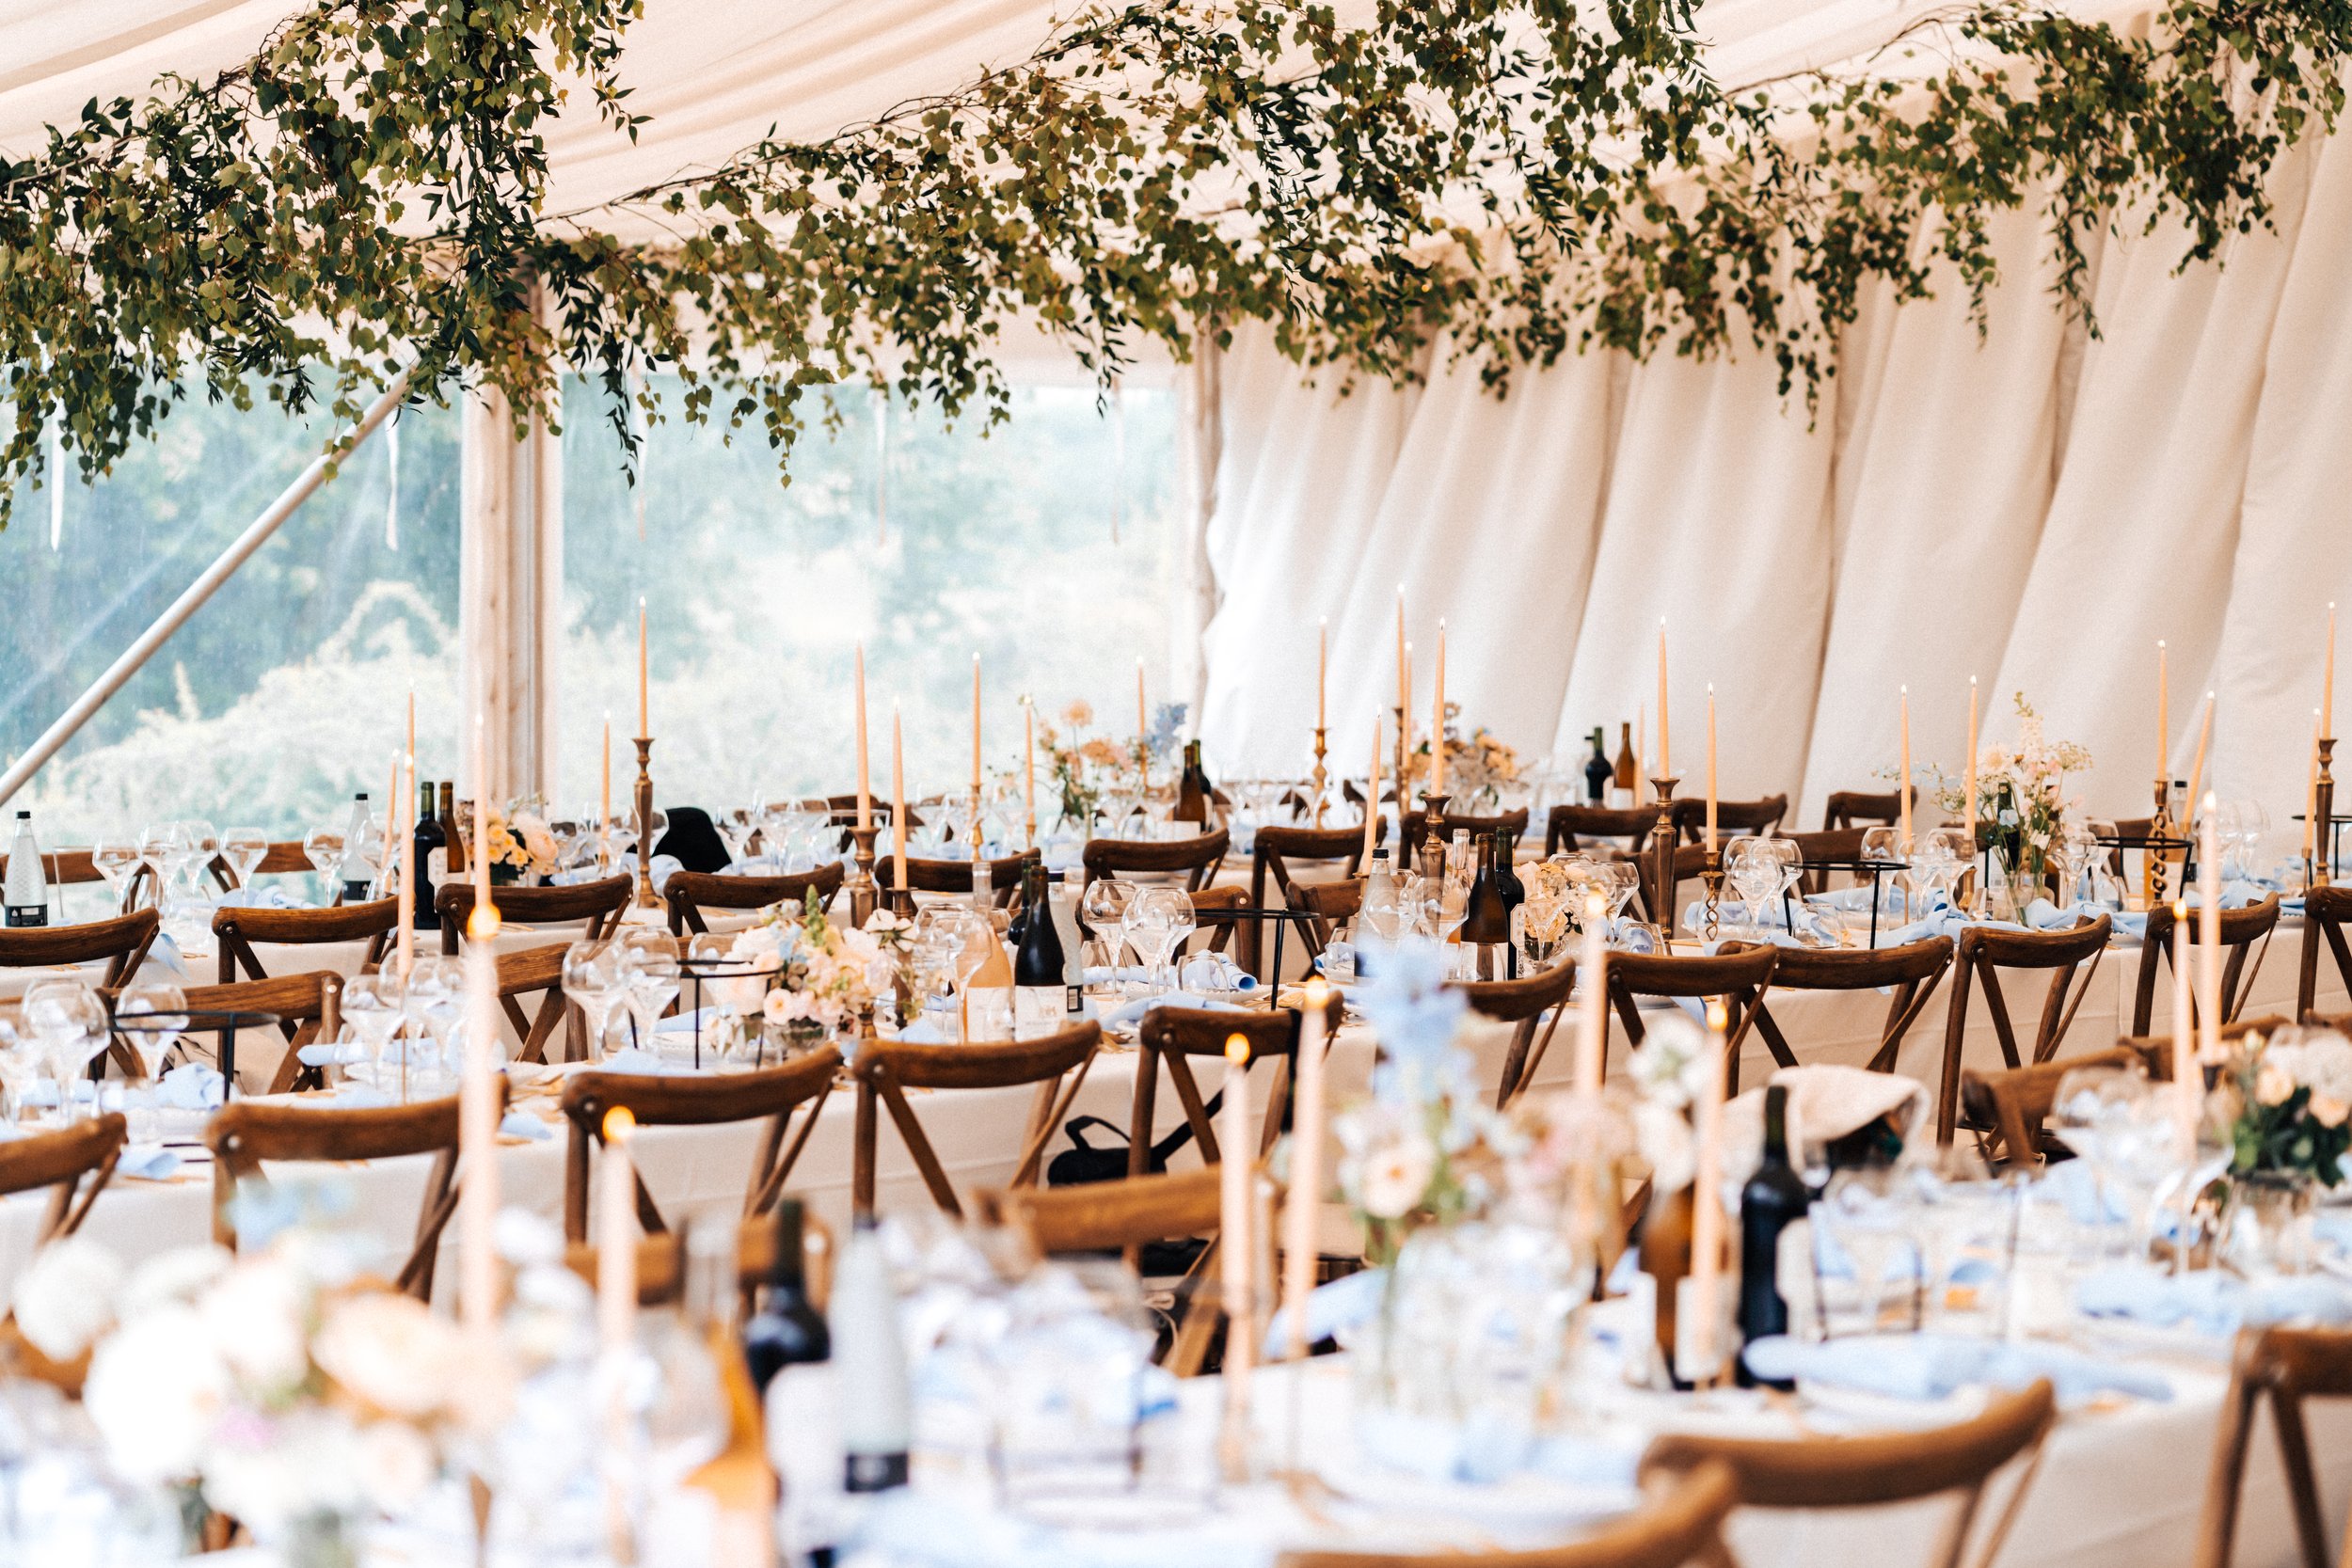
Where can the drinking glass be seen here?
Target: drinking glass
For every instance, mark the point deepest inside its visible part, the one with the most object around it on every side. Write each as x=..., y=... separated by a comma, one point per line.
x=116, y=859
x=595, y=980
x=162, y=1010
x=243, y=849
x=67, y=1023
x=374, y=1007
x=1862, y=1218
x=203, y=843
x=1788, y=858
x=1151, y=929
x=1624, y=879
x=1885, y=847
x=2093, y=1113
x=324, y=849
x=436, y=1000
x=1755, y=872
x=20, y=1065
x=651, y=964
x=1106, y=904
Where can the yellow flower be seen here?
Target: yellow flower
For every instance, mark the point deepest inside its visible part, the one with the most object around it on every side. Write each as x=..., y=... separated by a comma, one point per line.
x=2273, y=1085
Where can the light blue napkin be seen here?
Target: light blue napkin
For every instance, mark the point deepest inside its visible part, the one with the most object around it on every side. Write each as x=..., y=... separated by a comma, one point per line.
x=1935, y=1366
x=152, y=1162
x=632, y=1060
x=930, y=1530
x=2043, y=915
x=1629, y=935
x=2211, y=1301
x=1215, y=972
x=1482, y=1449
x=254, y=897
x=190, y=1086
x=1343, y=1303
x=1811, y=927
x=522, y=1124
x=1132, y=1011
x=332, y=1053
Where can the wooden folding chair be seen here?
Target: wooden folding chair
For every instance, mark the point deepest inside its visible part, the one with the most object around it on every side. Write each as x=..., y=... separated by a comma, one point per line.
x=280, y=859
x=1522, y=1002
x=1174, y=1038
x=700, y=1099
x=1195, y=858
x=687, y=894
x=1735, y=818
x=237, y=928
x=1570, y=829
x=953, y=878
x=1832, y=843
x=597, y=907
x=2289, y=1365
x=63, y=1161
x=1416, y=827
x=1981, y=953
x=1331, y=905
x=1216, y=915
x=1855, y=808
x=299, y=1002
x=1271, y=859
x=2240, y=930
x=1740, y=973
x=1911, y=973
x=1881, y=1468
x=120, y=942
x=2007, y=1108
x=538, y=971
x=886, y=1069
x=245, y=1135
x=1680, y=1523
x=2325, y=912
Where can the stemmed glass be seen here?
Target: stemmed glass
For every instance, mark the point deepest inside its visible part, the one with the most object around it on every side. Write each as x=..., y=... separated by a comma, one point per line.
x=435, y=1002
x=115, y=858
x=243, y=849
x=203, y=843
x=1158, y=922
x=1623, y=879
x=2095, y=1113
x=651, y=965
x=20, y=1065
x=1885, y=846
x=67, y=1023
x=163, y=1011
x=1444, y=905
x=1752, y=870
x=323, y=847
x=1789, y=858
x=158, y=855
x=595, y=978
x=1864, y=1220
x=374, y=1007
x=1106, y=903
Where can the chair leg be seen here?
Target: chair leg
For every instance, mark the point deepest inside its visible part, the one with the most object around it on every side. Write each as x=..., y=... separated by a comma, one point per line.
x=862, y=1158
x=2295, y=1451
x=1955, y=1035
x=576, y=1185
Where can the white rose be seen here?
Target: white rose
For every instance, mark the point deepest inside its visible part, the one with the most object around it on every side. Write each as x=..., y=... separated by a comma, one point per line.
x=1663, y=1136
x=1395, y=1176
x=180, y=1275
x=257, y=1314
x=784, y=1006
x=389, y=1350
x=537, y=841
x=2274, y=1085
x=270, y=1472
x=155, y=1389
x=395, y=1465
x=65, y=1297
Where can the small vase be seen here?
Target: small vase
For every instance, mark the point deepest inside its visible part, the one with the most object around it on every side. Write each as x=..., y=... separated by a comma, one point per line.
x=322, y=1539
x=2269, y=1223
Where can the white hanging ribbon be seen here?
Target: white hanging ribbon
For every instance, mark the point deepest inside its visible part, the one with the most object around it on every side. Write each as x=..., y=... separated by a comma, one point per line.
x=391, y=482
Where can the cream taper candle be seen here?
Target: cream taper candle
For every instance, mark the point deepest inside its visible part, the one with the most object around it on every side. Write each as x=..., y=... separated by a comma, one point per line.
x=478, y=1129
x=2209, y=934
x=1304, y=1207
x=865, y=780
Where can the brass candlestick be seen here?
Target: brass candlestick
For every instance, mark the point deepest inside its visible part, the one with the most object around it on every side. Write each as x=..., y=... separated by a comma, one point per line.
x=2154, y=873
x=645, y=898
x=1404, y=789
x=980, y=847
x=1661, y=850
x=2324, y=829
x=1432, y=834
x=1318, y=778
x=863, y=895
x=1713, y=878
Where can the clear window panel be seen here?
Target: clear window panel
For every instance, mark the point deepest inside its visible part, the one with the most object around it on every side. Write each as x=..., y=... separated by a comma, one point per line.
x=285, y=693
x=1046, y=546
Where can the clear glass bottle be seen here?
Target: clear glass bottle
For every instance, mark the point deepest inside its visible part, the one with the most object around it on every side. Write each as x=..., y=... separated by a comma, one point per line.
x=26, y=898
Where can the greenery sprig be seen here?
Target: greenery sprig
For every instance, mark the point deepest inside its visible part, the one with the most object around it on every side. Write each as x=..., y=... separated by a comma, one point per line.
x=1522, y=176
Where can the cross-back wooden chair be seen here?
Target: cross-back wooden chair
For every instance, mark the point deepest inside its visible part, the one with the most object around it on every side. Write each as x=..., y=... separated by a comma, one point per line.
x=75, y=1163
x=1739, y=972
x=2326, y=909
x=1680, y=1522
x=1980, y=954
x=1733, y=817
x=1861, y=808
x=1272, y=858
x=1330, y=905
x=1216, y=917
x=1880, y=1469
x=1570, y=828
x=954, y=877
x=1416, y=827
x=1831, y=844
x=887, y=1069
x=597, y=907
x=299, y=1002
x=2240, y=930
x=281, y=858
x=661, y=1261
x=237, y=928
x=2288, y=1366
x=538, y=971
x=1196, y=859
x=120, y=943
x=2006, y=1107
x=773, y=1095
x=65, y=868
x=687, y=894
x=1172, y=1038
x=1523, y=1003
x=246, y=1135
x=1909, y=973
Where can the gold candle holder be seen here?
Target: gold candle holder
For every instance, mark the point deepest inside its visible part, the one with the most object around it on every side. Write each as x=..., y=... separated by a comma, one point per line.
x=2155, y=874
x=1661, y=852
x=1318, y=778
x=863, y=892
x=2324, y=811
x=644, y=899
x=1404, y=787
x=1432, y=834
x=979, y=845
x=1713, y=878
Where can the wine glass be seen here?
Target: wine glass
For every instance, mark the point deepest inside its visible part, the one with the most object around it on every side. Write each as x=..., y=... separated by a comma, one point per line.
x=1867, y=1223
x=1787, y=858
x=1444, y=905
x=651, y=965
x=1623, y=879
x=374, y=1007
x=1755, y=872
x=243, y=849
x=322, y=846
x=2092, y=1112
x=203, y=845
x=595, y=980
x=1158, y=922
x=116, y=859
x=20, y=1067
x=67, y=1023
x=436, y=1000
x=1106, y=904
x=162, y=1010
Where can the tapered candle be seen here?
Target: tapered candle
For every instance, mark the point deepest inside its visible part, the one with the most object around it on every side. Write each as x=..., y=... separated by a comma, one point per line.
x=1372, y=796
x=897, y=803
x=1028, y=760
x=1642, y=770
x=644, y=720
x=1301, y=1214
x=1903, y=779
x=1404, y=659
x=1143, y=721
x=478, y=1129
x=481, y=811
x=1711, y=768
x=2164, y=718
x=1437, y=721
x=2205, y=739
x=2209, y=934
x=407, y=792
x=390, y=852
x=604, y=793
x=2184, y=1053
x=1404, y=713
x=616, y=1308
x=1236, y=1249
x=1968, y=785
x=1322, y=666
x=1592, y=990
x=1665, y=744
x=1706, y=1204
x=865, y=785
x=976, y=734
x=2311, y=798
x=2328, y=683
x=412, y=723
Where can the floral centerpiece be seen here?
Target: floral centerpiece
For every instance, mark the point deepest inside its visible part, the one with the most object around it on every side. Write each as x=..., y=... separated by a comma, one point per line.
x=810, y=976
x=523, y=848
x=1476, y=768
x=2288, y=1097
x=2022, y=800
x=1080, y=763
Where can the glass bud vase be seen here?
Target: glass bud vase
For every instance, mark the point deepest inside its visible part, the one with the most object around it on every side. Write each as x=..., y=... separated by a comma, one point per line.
x=2269, y=1225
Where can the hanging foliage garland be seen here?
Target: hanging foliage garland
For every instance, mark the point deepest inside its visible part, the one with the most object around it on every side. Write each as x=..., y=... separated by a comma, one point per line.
x=370, y=190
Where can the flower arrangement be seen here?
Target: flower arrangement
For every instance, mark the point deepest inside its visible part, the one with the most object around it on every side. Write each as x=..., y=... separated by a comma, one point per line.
x=2021, y=793
x=1475, y=770
x=1079, y=762
x=2292, y=1094
x=1165, y=741
x=808, y=971
x=522, y=846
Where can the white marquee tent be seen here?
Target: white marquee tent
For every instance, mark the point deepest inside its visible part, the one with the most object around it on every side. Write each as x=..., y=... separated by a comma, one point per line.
x=2037, y=509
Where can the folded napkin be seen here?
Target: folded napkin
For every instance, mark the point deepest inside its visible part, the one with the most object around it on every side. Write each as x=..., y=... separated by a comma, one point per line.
x=332, y=1054
x=256, y=898
x=935, y=1529
x=2043, y=915
x=1345, y=1303
x=1215, y=972
x=350, y=1096
x=631, y=1060
x=2211, y=1301
x=1104, y=975
x=1936, y=1366
x=149, y=1161
x=522, y=1124
x=1484, y=1448
x=1732, y=914
x=164, y=953
x=1131, y=1012
x=685, y=1023
x=660, y=868
x=190, y=1086
x=1629, y=935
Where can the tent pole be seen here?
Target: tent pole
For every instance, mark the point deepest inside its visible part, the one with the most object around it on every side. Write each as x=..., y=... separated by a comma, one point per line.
x=202, y=588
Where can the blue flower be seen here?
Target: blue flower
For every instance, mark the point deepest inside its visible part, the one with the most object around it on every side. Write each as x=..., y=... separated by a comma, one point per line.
x=1168, y=725
x=1414, y=1014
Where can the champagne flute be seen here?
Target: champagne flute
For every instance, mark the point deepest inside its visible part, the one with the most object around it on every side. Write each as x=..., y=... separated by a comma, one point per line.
x=595, y=980
x=243, y=849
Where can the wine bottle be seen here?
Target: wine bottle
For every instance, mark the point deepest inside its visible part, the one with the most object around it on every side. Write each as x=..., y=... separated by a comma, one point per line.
x=876, y=1418
x=1377, y=905
x=1514, y=893
x=1193, y=790
x=1598, y=770
x=1628, y=770
x=1040, y=977
x=1774, y=1200
x=358, y=876
x=1061, y=904
x=1486, y=919
x=790, y=1352
x=26, y=894
x=1667, y=1233
x=427, y=838
x=452, y=841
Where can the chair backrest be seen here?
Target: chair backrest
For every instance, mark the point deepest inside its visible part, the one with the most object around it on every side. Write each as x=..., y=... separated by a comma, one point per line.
x=1217, y=913
x=597, y=904
x=887, y=1069
x=1738, y=973
x=954, y=876
x=537, y=972
x=1909, y=974
x=64, y=868
x=1739, y=816
x=1980, y=954
x=1831, y=844
x=661, y=1261
x=1573, y=827
x=2325, y=912
x=2013, y=1102
x=1169, y=1038
x=1416, y=827
x=1857, y=808
x=121, y=941
x=1332, y=904
x=245, y=1135
x=1197, y=858
x=61, y=1161
x=2240, y=930
x=1874, y=1470
x=1680, y=1523
x=1270, y=862
x=2288, y=1365
x=1522, y=1003
x=697, y=1100
x=236, y=928
x=686, y=894
x=297, y=1001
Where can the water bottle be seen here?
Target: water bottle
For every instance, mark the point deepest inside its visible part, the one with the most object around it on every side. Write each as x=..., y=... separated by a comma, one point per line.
x=26, y=898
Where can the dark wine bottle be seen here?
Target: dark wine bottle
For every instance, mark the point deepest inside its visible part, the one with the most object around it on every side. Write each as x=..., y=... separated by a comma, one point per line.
x=1037, y=954
x=1774, y=1200
x=1628, y=770
x=788, y=1351
x=788, y=1330
x=427, y=837
x=1193, y=792
x=1666, y=1235
x=452, y=841
x=1514, y=893
x=1485, y=918
x=1598, y=770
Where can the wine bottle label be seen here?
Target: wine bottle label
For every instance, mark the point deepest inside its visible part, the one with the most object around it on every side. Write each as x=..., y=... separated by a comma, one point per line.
x=1074, y=1000
x=28, y=914
x=803, y=1421
x=436, y=866
x=874, y=1472
x=1039, y=1003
